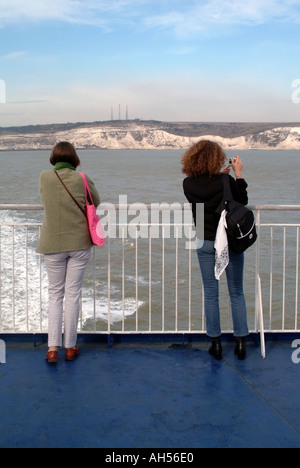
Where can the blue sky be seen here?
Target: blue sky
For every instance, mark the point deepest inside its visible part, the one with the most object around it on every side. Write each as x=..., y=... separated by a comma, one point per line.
x=191, y=60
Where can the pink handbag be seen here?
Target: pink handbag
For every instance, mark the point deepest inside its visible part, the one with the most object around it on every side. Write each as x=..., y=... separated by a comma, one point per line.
x=96, y=230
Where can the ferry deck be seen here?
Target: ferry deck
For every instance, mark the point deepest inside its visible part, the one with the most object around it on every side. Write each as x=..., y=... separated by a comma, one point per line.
x=156, y=390
x=149, y=395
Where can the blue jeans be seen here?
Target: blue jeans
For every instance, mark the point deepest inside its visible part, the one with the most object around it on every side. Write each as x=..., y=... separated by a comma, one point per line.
x=235, y=274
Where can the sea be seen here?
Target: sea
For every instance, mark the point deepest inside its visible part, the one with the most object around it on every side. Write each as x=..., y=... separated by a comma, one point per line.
x=144, y=177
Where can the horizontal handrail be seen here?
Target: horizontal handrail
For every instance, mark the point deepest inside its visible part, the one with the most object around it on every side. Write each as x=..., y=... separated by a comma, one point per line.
x=104, y=206
x=21, y=207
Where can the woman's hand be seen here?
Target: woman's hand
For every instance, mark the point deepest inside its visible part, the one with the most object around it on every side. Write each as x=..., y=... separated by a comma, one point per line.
x=226, y=170
x=237, y=167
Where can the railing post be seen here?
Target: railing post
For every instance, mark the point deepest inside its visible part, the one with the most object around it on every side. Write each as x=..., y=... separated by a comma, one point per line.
x=261, y=318
x=257, y=268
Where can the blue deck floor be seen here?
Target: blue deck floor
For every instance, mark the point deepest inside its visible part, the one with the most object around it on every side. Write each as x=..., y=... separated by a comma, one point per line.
x=149, y=396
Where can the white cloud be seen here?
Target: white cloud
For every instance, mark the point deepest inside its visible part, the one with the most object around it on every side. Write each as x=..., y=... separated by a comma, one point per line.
x=251, y=12
x=184, y=18
x=72, y=11
x=13, y=55
x=200, y=17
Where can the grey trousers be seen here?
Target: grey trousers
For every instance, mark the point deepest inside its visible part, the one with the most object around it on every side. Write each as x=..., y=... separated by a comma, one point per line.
x=65, y=272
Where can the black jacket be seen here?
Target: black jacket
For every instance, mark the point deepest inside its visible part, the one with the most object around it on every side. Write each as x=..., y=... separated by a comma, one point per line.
x=209, y=190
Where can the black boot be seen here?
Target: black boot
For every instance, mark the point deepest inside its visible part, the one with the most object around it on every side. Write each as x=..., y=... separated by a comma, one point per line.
x=216, y=349
x=240, y=349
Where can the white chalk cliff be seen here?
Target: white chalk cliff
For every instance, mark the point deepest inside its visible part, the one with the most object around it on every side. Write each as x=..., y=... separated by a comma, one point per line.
x=139, y=136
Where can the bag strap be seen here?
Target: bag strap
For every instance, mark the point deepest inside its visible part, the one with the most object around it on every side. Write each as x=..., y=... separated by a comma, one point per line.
x=87, y=190
x=227, y=188
x=70, y=193
x=227, y=194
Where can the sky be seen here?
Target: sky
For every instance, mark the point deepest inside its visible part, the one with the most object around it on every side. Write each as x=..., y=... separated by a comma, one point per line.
x=170, y=60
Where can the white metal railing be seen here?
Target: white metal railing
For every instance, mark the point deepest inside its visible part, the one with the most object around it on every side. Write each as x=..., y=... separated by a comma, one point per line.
x=152, y=285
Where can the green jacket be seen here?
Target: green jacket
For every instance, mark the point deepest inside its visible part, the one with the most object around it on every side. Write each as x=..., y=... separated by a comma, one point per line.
x=65, y=227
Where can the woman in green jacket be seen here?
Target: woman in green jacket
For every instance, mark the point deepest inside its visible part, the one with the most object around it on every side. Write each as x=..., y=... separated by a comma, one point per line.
x=65, y=241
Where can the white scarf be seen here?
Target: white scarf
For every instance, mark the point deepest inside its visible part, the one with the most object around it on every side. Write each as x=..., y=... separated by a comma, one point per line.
x=221, y=246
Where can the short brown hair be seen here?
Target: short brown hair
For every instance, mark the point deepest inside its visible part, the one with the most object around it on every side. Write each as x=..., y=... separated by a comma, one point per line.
x=204, y=158
x=64, y=152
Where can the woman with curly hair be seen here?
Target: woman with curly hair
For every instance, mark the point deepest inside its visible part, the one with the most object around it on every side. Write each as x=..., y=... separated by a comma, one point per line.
x=203, y=164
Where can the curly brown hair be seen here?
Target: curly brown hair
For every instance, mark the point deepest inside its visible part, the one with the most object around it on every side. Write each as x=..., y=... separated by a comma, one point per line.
x=204, y=158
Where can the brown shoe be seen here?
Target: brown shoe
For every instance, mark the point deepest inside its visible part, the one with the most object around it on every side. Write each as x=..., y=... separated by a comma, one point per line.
x=72, y=353
x=52, y=357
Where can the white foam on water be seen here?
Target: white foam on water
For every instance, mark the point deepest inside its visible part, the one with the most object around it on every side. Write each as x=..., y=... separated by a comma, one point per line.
x=142, y=281
x=20, y=273
x=117, y=312
x=24, y=284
